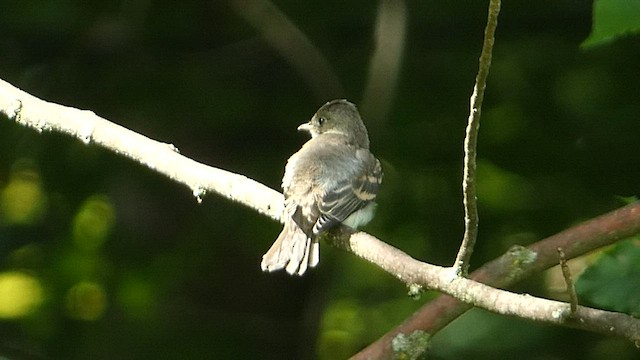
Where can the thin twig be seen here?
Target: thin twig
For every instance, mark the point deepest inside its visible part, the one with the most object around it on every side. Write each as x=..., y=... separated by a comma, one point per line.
x=568, y=279
x=461, y=265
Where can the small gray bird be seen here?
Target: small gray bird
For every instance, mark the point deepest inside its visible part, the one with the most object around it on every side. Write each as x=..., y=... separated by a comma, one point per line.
x=333, y=179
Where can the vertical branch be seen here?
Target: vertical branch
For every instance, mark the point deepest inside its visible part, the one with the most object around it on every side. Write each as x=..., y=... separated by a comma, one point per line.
x=568, y=279
x=384, y=69
x=461, y=264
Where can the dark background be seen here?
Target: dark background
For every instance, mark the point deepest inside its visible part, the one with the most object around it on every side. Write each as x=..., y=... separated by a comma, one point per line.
x=112, y=260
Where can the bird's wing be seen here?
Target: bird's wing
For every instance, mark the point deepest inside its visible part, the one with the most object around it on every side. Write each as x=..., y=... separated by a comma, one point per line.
x=350, y=194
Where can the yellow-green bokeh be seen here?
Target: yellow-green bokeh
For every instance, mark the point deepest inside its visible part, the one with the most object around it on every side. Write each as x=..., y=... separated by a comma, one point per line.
x=341, y=330
x=137, y=297
x=22, y=200
x=86, y=300
x=20, y=294
x=92, y=223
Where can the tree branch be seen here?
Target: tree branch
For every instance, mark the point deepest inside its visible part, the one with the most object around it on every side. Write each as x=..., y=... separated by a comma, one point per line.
x=292, y=44
x=86, y=126
x=568, y=279
x=461, y=265
x=412, y=271
x=384, y=69
x=514, y=266
x=89, y=128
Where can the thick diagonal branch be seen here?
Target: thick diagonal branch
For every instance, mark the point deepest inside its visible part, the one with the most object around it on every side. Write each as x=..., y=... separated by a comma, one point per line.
x=514, y=266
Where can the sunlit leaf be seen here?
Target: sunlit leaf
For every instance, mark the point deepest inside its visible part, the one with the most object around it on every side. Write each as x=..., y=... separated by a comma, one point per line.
x=612, y=19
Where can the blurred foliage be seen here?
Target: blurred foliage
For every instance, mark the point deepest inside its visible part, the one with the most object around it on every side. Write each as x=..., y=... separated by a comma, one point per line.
x=21, y=294
x=102, y=258
x=22, y=200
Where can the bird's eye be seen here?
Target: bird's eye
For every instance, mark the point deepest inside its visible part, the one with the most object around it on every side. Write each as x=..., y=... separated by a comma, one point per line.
x=321, y=121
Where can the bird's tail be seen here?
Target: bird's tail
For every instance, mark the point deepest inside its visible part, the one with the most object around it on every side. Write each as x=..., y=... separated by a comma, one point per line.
x=292, y=250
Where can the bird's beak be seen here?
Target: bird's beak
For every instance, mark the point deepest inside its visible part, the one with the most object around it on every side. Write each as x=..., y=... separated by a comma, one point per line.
x=305, y=127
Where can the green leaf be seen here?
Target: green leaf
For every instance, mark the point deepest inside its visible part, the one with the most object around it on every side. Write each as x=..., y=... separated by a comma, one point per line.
x=612, y=19
x=613, y=281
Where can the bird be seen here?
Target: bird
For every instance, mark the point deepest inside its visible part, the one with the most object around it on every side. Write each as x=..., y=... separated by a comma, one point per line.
x=333, y=179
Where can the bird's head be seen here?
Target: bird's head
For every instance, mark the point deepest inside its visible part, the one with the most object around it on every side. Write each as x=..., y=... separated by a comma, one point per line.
x=338, y=117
